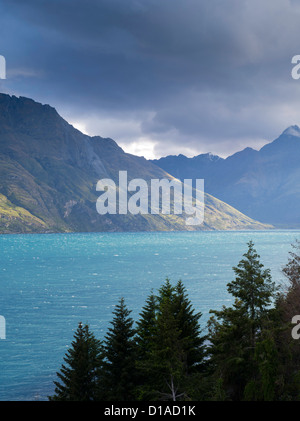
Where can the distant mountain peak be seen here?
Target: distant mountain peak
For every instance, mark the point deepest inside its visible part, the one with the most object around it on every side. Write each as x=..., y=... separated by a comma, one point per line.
x=292, y=131
x=213, y=157
x=206, y=157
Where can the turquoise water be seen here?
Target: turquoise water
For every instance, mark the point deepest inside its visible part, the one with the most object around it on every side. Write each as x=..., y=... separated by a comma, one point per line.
x=49, y=283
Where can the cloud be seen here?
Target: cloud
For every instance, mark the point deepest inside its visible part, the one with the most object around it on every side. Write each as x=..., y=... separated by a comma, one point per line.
x=158, y=76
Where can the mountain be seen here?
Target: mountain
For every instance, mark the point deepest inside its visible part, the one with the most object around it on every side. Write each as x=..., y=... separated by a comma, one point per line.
x=49, y=171
x=264, y=184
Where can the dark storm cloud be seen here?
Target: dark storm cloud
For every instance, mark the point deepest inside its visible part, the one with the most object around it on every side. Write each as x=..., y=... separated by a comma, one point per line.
x=187, y=75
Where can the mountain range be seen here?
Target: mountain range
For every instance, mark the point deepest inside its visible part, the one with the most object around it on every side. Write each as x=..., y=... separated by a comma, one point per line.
x=49, y=171
x=264, y=184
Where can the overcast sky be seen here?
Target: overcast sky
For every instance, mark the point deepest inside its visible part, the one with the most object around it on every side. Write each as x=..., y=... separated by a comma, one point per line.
x=159, y=76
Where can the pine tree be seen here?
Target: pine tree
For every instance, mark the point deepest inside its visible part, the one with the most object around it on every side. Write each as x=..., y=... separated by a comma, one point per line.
x=145, y=333
x=161, y=355
x=167, y=354
x=120, y=354
x=235, y=331
x=229, y=349
x=171, y=347
x=266, y=356
x=254, y=288
x=190, y=330
x=166, y=292
x=80, y=375
x=146, y=326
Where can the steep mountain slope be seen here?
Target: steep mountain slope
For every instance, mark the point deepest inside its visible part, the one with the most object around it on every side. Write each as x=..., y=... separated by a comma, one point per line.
x=263, y=184
x=49, y=171
x=16, y=219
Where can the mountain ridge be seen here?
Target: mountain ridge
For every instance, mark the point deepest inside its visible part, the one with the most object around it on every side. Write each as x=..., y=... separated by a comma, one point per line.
x=264, y=183
x=49, y=171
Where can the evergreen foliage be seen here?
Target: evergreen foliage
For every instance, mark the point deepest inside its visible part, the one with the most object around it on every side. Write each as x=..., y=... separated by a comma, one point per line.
x=120, y=355
x=80, y=376
x=247, y=354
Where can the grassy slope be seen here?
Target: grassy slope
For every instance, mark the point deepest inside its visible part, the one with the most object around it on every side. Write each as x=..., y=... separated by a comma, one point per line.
x=19, y=220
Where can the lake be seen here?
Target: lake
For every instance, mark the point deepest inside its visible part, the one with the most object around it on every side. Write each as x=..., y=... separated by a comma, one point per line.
x=51, y=282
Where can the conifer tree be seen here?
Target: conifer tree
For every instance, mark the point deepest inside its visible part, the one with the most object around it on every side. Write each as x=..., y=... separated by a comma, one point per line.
x=188, y=323
x=120, y=355
x=80, y=375
x=145, y=333
x=235, y=331
x=168, y=334
x=146, y=326
x=254, y=287
x=167, y=354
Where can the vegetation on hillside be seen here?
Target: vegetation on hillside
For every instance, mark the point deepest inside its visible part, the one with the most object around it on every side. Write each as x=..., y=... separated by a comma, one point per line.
x=17, y=219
